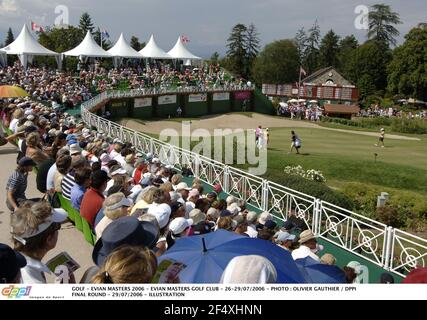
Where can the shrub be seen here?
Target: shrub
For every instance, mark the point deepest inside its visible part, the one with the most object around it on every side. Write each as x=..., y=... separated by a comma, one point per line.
x=312, y=175
x=315, y=189
x=416, y=126
x=390, y=216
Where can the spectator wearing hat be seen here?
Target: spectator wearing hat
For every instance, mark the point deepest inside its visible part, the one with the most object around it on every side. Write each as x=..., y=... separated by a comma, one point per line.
x=176, y=180
x=82, y=183
x=124, y=231
x=178, y=228
x=118, y=175
x=94, y=197
x=212, y=197
x=230, y=200
x=35, y=233
x=193, y=196
x=11, y=262
x=416, y=276
x=250, y=269
x=199, y=225
x=263, y=218
x=160, y=208
x=127, y=265
x=308, y=246
x=357, y=268
x=284, y=240
x=183, y=189
x=115, y=207
x=251, y=219
x=17, y=184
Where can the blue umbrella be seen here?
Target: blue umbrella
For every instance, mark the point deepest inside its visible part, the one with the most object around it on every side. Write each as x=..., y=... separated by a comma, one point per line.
x=207, y=256
x=315, y=272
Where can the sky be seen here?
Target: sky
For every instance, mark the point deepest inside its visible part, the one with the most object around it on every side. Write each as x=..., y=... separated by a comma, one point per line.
x=206, y=23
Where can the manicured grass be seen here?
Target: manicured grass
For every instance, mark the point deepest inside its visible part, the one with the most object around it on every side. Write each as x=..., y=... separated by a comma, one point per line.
x=344, y=157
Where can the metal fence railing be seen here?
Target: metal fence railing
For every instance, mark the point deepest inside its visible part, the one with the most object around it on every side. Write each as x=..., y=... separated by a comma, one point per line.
x=392, y=249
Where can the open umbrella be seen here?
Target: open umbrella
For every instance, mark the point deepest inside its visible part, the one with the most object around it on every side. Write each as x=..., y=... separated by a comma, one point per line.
x=205, y=257
x=12, y=92
x=315, y=272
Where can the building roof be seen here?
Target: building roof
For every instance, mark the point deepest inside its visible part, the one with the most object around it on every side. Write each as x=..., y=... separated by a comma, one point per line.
x=321, y=76
x=152, y=50
x=88, y=48
x=179, y=51
x=341, y=109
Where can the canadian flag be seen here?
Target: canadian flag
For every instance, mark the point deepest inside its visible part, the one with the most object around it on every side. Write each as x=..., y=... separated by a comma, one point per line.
x=35, y=27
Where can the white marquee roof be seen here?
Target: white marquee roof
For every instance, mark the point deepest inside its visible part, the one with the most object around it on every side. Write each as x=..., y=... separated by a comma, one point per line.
x=26, y=44
x=152, y=50
x=123, y=50
x=179, y=51
x=88, y=48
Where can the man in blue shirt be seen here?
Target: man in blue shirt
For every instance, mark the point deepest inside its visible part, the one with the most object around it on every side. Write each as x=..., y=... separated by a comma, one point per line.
x=82, y=179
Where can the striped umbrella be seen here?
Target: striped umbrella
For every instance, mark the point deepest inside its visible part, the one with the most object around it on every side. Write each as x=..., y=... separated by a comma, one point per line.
x=12, y=92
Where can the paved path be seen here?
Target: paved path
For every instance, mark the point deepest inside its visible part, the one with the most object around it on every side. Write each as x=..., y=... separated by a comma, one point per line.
x=239, y=121
x=70, y=239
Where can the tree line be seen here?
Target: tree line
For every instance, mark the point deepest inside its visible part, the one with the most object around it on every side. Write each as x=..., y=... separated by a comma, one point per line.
x=376, y=67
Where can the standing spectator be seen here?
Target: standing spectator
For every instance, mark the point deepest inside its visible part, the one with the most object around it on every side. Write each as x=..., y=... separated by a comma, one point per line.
x=33, y=150
x=17, y=184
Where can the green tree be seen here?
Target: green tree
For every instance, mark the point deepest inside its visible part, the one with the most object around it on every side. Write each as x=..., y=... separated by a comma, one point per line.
x=236, y=52
x=407, y=72
x=252, y=46
x=60, y=40
x=86, y=23
x=277, y=63
x=134, y=43
x=381, y=24
x=347, y=46
x=311, y=54
x=106, y=43
x=214, y=58
x=368, y=67
x=9, y=37
x=329, y=50
x=301, y=43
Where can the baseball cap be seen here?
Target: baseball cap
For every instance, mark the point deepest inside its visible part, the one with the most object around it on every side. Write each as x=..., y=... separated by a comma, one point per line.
x=11, y=261
x=285, y=236
x=225, y=213
x=178, y=225
x=264, y=217
x=182, y=186
x=162, y=213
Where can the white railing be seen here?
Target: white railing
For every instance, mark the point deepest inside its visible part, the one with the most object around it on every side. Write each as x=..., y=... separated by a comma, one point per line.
x=392, y=249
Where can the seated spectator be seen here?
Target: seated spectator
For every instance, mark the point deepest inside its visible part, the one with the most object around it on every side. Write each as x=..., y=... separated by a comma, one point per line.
x=263, y=218
x=251, y=219
x=11, y=262
x=115, y=207
x=82, y=182
x=124, y=231
x=68, y=182
x=226, y=223
x=178, y=228
x=193, y=196
x=265, y=234
x=285, y=240
x=328, y=259
x=63, y=165
x=127, y=265
x=249, y=270
x=177, y=210
x=386, y=278
x=357, y=267
x=308, y=246
x=35, y=233
x=17, y=184
x=418, y=275
x=199, y=225
x=94, y=197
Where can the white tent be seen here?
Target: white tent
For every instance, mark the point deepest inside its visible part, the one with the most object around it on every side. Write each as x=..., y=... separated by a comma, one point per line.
x=26, y=47
x=179, y=51
x=88, y=48
x=3, y=58
x=123, y=50
x=152, y=50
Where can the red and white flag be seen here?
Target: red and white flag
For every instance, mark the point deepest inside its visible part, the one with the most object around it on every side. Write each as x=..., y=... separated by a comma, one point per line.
x=303, y=72
x=185, y=39
x=36, y=27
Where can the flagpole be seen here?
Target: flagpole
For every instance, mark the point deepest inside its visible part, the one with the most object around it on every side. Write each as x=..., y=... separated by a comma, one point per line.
x=101, y=40
x=299, y=83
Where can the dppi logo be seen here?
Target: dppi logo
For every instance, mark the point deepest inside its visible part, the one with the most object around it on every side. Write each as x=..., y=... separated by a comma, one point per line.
x=15, y=292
